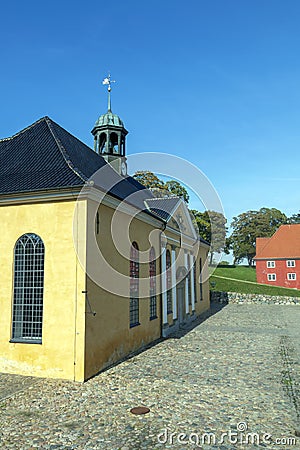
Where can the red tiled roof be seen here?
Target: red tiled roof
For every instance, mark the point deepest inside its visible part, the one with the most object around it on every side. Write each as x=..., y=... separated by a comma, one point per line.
x=285, y=243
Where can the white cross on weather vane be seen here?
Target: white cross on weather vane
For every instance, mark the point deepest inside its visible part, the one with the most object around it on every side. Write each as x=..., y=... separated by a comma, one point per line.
x=108, y=82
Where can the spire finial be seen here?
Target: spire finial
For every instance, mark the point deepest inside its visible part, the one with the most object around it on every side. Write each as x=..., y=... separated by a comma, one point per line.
x=108, y=82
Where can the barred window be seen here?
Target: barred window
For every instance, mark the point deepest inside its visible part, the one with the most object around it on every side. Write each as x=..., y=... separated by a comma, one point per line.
x=28, y=289
x=195, y=279
x=189, y=280
x=169, y=282
x=152, y=275
x=134, y=285
x=201, y=281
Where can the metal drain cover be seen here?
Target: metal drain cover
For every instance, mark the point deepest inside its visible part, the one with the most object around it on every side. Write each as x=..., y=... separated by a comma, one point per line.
x=140, y=410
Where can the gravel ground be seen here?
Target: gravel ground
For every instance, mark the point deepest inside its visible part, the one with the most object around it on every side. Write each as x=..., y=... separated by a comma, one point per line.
x=237, y=372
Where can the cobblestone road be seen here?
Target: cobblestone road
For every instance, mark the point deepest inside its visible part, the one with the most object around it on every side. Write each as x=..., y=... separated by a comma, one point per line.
x=240, y=367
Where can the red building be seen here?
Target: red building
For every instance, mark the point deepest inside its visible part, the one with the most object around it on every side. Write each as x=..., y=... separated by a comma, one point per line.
x=278, y=257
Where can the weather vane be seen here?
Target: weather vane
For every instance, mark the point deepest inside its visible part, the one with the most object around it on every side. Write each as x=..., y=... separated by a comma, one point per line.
x=108, y=82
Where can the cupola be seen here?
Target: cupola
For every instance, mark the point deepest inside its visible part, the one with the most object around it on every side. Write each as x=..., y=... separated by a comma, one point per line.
x=110, y=136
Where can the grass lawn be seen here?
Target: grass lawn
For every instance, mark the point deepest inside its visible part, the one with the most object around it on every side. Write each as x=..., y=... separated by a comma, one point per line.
x=244, y=273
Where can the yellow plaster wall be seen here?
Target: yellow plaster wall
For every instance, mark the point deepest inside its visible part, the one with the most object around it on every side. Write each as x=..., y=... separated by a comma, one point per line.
x=108, y=335
x=63, y=311
x=204, y=304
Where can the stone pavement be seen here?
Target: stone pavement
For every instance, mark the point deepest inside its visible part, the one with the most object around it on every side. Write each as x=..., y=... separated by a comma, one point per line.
x=235, y=373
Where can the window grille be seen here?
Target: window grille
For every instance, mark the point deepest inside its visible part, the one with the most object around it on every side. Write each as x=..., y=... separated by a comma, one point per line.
x=28, y=289
x=169, y=282
x=152, y=275
x=134, y=285
x=189, y=280
x=291, y=263
x=195, y=279
x=201, y=281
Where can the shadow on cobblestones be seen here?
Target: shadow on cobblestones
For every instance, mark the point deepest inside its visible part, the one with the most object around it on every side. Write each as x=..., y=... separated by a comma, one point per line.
x=289, y=376
x=215, y=307
x=10, y=384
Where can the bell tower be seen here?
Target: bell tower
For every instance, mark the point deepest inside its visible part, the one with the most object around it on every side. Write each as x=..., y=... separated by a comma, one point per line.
x=110, y=136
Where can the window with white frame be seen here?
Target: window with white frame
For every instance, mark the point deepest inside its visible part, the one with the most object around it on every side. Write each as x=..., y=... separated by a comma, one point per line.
x=290, y=263
x=271, y=276
x=270, y=264
x=291, y=276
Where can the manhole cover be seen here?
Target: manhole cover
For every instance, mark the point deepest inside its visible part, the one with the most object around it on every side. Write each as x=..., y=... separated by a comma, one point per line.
x=140, y=410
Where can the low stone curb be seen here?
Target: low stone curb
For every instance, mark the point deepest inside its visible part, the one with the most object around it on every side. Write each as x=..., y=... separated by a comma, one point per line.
x=237, y=298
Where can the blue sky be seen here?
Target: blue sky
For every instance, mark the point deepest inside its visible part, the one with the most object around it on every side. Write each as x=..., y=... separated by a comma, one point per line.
x=215, y=82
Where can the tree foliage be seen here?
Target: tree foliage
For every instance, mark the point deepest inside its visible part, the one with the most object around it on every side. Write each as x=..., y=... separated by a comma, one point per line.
x=161, y=188
x=177, y=189
x=250, y=225
x=295, y=218
x=149, y=179
x=212, y=228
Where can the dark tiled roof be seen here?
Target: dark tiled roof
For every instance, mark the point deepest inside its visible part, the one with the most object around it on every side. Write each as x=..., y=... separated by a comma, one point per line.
x=45, y=156
x=163, y=207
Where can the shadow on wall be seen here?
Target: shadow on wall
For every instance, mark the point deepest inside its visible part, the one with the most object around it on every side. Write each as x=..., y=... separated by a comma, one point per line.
x=215, y=307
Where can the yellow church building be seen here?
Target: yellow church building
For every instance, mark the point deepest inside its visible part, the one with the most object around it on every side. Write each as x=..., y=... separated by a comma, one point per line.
x=93, y=266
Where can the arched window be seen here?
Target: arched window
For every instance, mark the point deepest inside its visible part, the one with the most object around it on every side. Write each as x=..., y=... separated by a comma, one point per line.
x=27, y=321
x=152, y=275
x=134, y=285
x=189, y=280
x=195, y=279
x=201, y=281
x=169, y=282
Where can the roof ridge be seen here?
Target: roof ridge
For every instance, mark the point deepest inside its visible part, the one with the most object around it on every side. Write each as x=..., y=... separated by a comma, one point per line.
x=24, y=129
x=167, y=197
x=63, y=151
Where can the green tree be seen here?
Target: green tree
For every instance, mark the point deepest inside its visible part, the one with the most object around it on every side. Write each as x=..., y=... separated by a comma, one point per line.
x=212, y=228
x=159, y=187
x=250, y=225
x=149, y=179
x=295, y=218
x=177, y=189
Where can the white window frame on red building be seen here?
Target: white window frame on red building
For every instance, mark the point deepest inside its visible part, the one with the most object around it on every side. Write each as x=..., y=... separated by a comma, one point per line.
x=271, y=264
x=292, y=276
x=271, y=276
x=290, y=263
